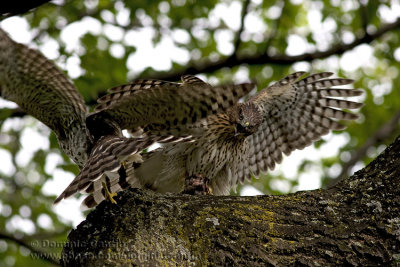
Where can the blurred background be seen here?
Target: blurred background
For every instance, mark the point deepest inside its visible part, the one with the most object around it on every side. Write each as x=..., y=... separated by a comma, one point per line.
x=101, y=44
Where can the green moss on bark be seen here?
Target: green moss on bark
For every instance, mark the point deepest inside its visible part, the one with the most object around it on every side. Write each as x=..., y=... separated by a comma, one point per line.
x=356, y=223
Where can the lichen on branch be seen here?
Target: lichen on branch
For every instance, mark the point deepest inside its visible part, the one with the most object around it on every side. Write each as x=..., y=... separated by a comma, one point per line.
x=357, y=222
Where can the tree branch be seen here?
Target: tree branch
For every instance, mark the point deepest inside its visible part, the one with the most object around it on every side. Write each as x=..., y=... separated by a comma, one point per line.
x=275, y=29
x=237, y=41
x=363, y=15
x=262, y=59
x=6, y=113
x=384, y=132
x=41, y=254
x=356, y=223
x=17, y=7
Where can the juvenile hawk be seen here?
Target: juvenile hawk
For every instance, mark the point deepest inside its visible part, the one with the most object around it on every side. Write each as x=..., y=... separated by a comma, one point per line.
x=95, y=141
x=168, y=105
x=251, y=137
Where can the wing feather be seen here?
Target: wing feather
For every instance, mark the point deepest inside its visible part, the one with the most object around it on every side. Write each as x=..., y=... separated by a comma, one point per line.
x=105, y=165
x=295, y=114
x=36, y=84
x=165, y=104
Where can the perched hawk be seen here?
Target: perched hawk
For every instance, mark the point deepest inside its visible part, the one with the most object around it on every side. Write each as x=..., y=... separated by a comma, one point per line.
x=95, y=141
x=250, y=137
x=143, y=103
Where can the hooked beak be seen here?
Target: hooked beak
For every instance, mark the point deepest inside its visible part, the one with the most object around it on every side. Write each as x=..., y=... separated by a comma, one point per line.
x=240, y=128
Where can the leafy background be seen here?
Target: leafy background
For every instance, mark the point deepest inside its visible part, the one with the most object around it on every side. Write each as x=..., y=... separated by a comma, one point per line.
x=101, y=44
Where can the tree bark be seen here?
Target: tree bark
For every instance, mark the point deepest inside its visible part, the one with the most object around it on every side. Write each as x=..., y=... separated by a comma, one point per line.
x=357, y=222
x=18, y=7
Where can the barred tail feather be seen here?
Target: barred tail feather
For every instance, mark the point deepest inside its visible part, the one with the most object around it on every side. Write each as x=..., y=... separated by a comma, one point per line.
x=125, y=180
x=107, y=165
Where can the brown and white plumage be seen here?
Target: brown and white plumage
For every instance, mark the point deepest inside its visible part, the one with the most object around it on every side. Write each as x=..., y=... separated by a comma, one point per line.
x=95, y=141
x=251, y=137
x=36, y=84
x=106, y=165
x=165, y=106
x=295, y=115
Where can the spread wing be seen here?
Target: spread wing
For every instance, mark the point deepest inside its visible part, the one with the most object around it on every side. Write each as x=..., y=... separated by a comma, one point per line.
x=165, y=104
x=135, y=105
x=36, y=84
x=112, y=162
x=295, y=114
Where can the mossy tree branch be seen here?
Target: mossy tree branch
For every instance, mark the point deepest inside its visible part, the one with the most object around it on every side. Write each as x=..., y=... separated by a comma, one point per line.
x=357, y=222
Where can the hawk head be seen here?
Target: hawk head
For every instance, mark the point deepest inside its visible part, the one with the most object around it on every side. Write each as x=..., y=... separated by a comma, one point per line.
x=246, y=118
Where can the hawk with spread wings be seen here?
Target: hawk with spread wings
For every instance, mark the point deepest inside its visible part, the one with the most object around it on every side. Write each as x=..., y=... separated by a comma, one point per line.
x=95, y=141
x=251, y=137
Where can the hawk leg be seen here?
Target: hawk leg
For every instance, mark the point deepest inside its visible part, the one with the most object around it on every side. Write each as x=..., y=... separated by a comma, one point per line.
x=108, y=195
x=197, y=185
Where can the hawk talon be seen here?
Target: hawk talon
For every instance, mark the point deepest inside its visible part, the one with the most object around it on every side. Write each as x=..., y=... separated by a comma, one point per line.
x=108, y=195
x=197, y=185
x=124, y=164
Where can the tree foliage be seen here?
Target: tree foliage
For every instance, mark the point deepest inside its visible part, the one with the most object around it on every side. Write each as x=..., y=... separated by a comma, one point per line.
x=102, y=44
